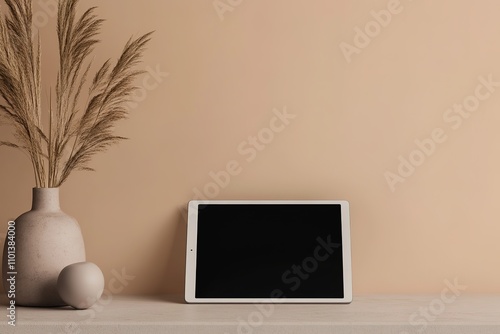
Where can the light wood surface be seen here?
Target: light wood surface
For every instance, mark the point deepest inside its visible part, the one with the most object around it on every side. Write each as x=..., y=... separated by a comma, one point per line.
x=476, y=314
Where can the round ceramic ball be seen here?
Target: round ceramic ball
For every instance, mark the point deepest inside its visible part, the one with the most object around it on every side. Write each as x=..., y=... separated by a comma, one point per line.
x=80, y=285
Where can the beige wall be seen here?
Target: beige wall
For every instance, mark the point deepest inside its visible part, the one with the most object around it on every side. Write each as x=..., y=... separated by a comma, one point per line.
x=354, y=117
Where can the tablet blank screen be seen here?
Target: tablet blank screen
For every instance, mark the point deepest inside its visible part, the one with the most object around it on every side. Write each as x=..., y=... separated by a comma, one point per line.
x=269, y=251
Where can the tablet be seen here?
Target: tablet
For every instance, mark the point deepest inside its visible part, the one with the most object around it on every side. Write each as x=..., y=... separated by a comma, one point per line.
x=268, y=251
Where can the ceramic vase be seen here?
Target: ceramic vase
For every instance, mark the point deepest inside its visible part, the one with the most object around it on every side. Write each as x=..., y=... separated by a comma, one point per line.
x=46, y=241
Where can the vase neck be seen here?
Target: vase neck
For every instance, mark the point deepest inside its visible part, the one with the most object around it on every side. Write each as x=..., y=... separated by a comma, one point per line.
x=45, y=199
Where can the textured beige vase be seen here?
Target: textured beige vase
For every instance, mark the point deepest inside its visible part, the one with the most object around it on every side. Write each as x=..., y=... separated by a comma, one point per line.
x=47, y=240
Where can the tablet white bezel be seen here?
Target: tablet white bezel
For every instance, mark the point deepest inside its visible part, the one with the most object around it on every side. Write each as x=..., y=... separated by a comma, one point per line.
x=192, y=232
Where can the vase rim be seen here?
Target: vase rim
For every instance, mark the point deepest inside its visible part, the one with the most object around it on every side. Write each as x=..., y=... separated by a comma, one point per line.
x=45, y=199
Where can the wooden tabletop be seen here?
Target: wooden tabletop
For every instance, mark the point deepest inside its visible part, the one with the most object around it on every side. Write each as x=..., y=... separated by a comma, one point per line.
x=475, y=314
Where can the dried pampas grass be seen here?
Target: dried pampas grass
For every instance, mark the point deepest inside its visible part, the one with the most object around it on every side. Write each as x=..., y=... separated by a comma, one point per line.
x=73, y=135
